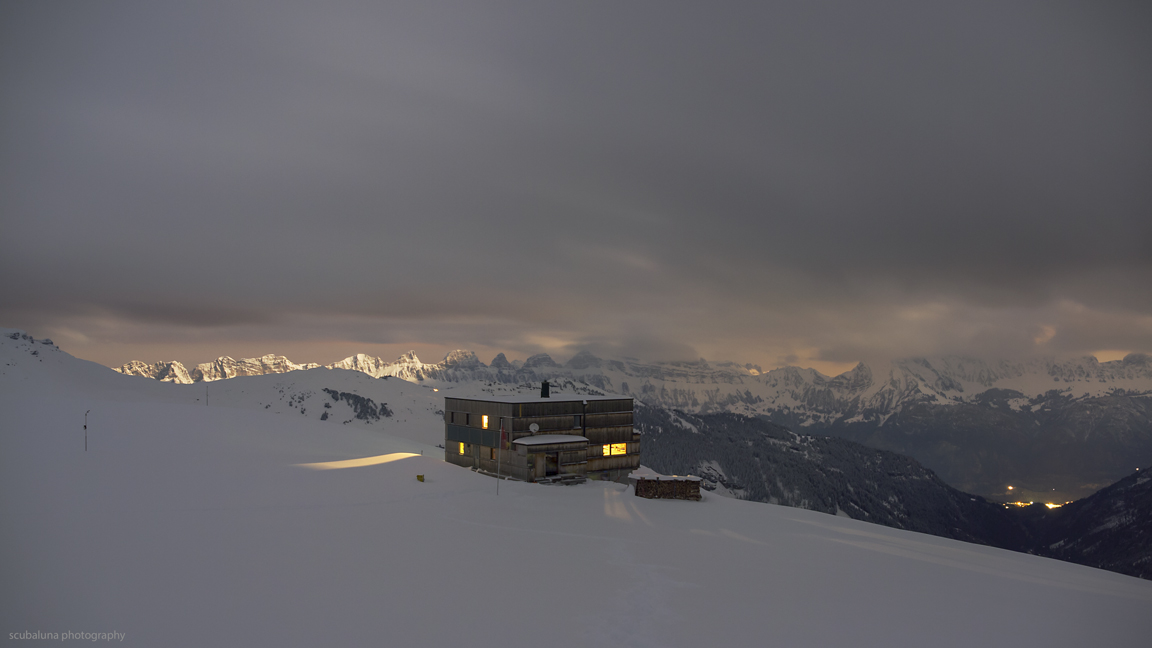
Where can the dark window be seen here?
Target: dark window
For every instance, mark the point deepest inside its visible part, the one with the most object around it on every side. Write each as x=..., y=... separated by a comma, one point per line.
x=576, y=421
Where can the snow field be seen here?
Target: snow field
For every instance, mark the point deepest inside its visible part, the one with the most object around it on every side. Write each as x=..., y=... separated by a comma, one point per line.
x=186, y=525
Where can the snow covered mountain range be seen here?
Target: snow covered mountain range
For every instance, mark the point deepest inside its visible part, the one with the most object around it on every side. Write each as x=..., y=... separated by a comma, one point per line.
x=862, y=394
x=1053, y=430
x=221, y=368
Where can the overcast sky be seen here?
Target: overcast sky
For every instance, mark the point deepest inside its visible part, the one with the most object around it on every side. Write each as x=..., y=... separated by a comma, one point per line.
x=811, y=183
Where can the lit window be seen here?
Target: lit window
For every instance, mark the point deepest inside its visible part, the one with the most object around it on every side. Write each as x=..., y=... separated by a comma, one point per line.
x=484, y=421
x=615, y=449
x=492, y=454
x=461, y=448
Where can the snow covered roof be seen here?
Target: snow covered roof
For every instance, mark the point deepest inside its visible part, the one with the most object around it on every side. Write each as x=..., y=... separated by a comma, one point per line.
x=544, y=439
x=556, y=398
x=648, y=473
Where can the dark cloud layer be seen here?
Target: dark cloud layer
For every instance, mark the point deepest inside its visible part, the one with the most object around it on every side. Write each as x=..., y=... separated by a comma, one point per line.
x=758, y=181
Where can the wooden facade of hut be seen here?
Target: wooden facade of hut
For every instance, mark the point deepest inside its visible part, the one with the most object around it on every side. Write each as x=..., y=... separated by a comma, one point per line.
x=543, y=438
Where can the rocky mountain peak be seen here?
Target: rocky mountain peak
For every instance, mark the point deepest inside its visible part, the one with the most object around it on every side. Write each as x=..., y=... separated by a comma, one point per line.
x=1141, y=360
x=462, y=359
x=540, y=361
x=856, y=380
x=583, y=360
x=173, y=372
x=360, y=362
x=408, y=358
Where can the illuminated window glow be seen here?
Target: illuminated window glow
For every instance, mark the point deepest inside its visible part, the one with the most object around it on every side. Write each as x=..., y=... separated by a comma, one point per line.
x=615, y=449
x=484, y=422
x=461, y=448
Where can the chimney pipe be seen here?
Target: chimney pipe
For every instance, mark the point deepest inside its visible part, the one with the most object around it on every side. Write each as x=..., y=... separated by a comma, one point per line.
x=544, y=389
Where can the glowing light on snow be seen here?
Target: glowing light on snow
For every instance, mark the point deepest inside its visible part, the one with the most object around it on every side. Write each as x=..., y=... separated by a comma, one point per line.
x=614, y=506
x=356, y=463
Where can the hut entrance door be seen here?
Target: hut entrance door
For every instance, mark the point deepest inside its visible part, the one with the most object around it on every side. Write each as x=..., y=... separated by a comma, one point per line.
x=552, y=464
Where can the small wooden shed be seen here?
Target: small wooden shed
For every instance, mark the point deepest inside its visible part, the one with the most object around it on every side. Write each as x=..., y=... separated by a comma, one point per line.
x=684, y=487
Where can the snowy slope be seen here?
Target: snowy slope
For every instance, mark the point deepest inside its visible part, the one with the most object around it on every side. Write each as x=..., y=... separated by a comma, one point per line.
x=38, y=365
x=186, y=525
x=348, y=398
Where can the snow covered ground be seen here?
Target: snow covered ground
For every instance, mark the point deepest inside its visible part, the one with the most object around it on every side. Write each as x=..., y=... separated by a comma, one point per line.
x=187, y=525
